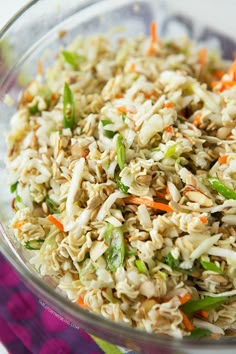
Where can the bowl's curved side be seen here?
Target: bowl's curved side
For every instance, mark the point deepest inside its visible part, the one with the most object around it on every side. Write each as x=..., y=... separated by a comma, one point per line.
x=119, y=334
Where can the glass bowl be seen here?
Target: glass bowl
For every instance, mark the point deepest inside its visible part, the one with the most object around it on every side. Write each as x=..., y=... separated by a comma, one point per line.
x=38, y=29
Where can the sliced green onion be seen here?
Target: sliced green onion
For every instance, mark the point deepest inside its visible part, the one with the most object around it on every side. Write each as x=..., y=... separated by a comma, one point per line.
x=109, y=133
x=184, y=51
x=34, y=109
x=121, y=152
x=106, y=122
x=33, y=244
x=171, y=151
x=13, y=187
x=123, y=116
x=179, y=160
x=168, y=44
x=221, y=188
x=46, y=94
x=172, y=261
x=211, y=266
x=130, y=252
x=18, y=199
x=73, y=58
x=174, y=264
x=207, y=303
x=156, y=149
x=18, y=203
x=68, y=108
x=121, y=186
x=141, y=266
x=52, y=206
x=115, y=254
x=198, y=333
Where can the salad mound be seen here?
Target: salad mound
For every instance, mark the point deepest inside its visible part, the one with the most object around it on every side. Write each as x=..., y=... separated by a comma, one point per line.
x=122, y=161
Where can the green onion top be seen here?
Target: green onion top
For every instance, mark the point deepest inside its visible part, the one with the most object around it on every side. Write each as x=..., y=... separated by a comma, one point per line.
x=68, y=108
x=221, y=188
x=115, y=254
x=141, y=266
x=33, y=244
x=211, y=266
x=207, y=303
x=73, y=58
x=52, y=206
x=121, y=152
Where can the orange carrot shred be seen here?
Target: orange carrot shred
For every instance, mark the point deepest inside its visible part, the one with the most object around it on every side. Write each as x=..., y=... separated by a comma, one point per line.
x=122, y=109
x=40, y=67
x=147, y=94
x=223, y=85
x=53, y=96
x=154, y=32
x=169, y=129
x=203, y=219
x=197, y=119
x=18, y=224
x=150, y=94
x=133, y=68
x=195, y=274
x=29, y=97
x=119, y=95
x=218, y=74
x=110, y=189
x=185, y=298
x=85, y=153
x=56, y=222
x=160, y=195
x=151, y=50
x=228, y=84
x=148, y=203
x=202, y=57
x=222, y=159
x=154, y=38
x=186, y=321
x=215, y=83
x=80, y=302
x=203, y=313
x=169, y=105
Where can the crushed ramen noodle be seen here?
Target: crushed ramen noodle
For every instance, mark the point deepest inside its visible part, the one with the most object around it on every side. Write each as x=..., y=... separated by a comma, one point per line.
x=123, y=164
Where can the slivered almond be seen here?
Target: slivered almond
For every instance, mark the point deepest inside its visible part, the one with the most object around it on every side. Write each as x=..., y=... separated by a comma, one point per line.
x=196, y=196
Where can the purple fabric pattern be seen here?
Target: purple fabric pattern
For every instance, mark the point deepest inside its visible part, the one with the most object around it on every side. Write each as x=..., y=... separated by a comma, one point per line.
x=26, y=327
